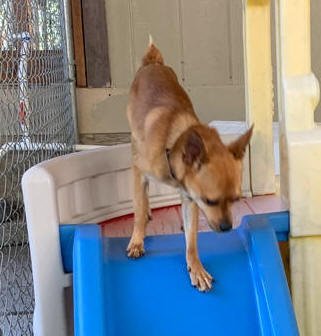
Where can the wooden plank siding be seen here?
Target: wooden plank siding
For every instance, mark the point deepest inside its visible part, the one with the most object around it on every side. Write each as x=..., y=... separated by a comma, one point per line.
x=96, y=43
x=78, y=42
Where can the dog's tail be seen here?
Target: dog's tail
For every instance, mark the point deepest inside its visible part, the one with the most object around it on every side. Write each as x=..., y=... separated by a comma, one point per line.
x=152, y=55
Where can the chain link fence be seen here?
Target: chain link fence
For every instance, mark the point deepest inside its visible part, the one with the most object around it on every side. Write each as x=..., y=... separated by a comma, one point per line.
x=36, y=124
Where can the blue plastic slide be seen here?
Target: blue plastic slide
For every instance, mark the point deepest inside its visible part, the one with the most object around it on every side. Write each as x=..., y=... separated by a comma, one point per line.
x=152, y=296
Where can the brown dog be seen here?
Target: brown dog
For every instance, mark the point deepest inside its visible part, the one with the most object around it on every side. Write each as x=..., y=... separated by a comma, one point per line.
x=170, y=144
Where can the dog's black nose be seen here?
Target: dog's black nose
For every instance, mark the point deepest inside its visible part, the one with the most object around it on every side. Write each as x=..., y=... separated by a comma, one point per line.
x=225, y=226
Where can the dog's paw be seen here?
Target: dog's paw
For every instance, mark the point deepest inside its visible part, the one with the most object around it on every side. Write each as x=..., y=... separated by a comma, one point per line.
x=135, y=249
x=199, y=277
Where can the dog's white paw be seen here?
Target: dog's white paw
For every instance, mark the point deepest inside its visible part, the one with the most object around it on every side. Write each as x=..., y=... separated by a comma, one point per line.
x=199, y=277
x=135, y=249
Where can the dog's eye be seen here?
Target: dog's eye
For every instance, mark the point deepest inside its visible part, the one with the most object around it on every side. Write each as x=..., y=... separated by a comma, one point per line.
x=211, y=202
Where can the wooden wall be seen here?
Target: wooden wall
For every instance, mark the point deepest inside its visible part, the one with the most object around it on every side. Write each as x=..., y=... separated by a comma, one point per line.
x=201, y=40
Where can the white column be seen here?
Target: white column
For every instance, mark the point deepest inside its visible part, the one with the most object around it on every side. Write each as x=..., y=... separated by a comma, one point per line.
x=259, y=93
x=298, y=95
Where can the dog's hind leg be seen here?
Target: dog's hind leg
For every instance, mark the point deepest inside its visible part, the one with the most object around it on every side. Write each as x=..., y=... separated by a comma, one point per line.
x=135, y=247
x=199, y=277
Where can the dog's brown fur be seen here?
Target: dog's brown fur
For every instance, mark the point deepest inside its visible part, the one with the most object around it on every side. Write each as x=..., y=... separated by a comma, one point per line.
x=170, y=144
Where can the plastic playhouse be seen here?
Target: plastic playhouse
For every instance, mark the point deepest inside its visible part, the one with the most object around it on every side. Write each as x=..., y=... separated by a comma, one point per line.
x=115, y=295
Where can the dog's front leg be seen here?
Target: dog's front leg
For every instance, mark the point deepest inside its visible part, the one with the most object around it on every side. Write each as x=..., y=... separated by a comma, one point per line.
x=135, y=247
x=199, y=277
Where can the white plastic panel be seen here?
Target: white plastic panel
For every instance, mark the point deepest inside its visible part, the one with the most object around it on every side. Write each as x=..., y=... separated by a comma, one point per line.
x=85, y=187
x=105, y=187
x=124, y=185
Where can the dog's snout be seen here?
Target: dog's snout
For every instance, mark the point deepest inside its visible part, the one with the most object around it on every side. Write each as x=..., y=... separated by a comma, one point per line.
x=225, y=226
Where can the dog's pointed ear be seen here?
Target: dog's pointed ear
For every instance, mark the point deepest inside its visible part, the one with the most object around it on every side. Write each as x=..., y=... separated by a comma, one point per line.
x=194, y=150
x=238, y=147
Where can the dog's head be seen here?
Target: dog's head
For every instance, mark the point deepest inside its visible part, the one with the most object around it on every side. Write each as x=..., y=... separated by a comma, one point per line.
x=210, y=172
